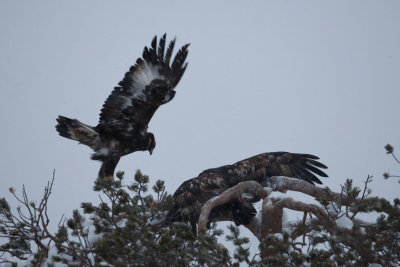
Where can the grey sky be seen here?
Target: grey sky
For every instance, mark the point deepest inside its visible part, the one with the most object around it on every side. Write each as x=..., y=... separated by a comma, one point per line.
x=319, y=77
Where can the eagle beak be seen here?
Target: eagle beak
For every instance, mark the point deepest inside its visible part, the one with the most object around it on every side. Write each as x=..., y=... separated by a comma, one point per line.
x=151, y=151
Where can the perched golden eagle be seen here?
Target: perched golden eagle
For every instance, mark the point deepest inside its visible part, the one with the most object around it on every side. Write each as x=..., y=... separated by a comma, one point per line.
x=125, y=115
x=192, y=194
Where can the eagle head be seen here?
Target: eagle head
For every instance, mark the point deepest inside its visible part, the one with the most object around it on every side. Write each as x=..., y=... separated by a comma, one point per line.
x=151, y=142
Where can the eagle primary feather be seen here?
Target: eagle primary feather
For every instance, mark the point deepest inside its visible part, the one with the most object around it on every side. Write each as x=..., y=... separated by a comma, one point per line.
x=192, y=194
x=126, y=113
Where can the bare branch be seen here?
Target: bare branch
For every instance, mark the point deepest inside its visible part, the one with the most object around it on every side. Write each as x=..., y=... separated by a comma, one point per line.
x=282, y=184
x=250, y=187
x=292, y=204
x=271, y=210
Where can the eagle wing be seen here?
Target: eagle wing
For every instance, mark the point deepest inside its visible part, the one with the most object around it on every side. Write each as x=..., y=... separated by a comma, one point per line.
x=263, y=166
x=147, y=85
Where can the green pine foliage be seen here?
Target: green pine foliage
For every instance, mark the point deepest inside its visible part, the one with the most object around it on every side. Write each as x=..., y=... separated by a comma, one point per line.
x=129, y=223
x=126, y=229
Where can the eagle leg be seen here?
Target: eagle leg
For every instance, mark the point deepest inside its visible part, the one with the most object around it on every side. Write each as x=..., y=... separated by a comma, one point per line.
x=107, y=168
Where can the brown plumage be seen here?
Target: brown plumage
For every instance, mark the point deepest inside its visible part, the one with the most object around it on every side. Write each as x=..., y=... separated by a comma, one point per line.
x=192, y=194
x=126, y=113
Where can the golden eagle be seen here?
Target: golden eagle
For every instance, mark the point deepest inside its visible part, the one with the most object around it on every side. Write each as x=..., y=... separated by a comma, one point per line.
x=190, y=197
x=126, y=113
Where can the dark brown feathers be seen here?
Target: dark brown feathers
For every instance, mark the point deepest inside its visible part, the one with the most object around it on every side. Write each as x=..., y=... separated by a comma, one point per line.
x=75, y=130
x=192, y=194
x=126, y=113
x=147, y=85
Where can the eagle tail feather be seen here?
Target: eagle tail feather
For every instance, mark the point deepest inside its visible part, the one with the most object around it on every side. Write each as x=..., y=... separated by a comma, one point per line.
x=76, y=130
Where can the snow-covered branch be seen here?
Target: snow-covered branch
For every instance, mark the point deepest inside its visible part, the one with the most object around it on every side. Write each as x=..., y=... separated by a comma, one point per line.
x=269, y=220
x=282, y=184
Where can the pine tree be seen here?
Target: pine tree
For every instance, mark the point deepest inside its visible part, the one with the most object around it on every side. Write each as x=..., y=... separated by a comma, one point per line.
x=127, y=229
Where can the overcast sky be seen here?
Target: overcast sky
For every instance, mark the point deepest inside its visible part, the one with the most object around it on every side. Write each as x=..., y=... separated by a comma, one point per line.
x=319, y=77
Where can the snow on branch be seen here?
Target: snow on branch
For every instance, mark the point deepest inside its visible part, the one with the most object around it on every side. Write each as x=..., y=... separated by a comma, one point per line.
x=282, y=184
x=273, y=208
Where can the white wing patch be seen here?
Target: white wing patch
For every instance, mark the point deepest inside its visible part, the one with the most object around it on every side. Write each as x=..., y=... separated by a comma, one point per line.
x=142, y=77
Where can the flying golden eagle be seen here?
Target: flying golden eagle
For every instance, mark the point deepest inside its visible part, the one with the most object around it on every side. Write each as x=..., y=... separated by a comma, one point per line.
x=125, y=115
x=190, y=197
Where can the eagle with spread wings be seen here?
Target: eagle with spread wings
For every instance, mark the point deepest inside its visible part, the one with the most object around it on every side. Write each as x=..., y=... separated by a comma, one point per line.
x=126, y=113
x=190, y=197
